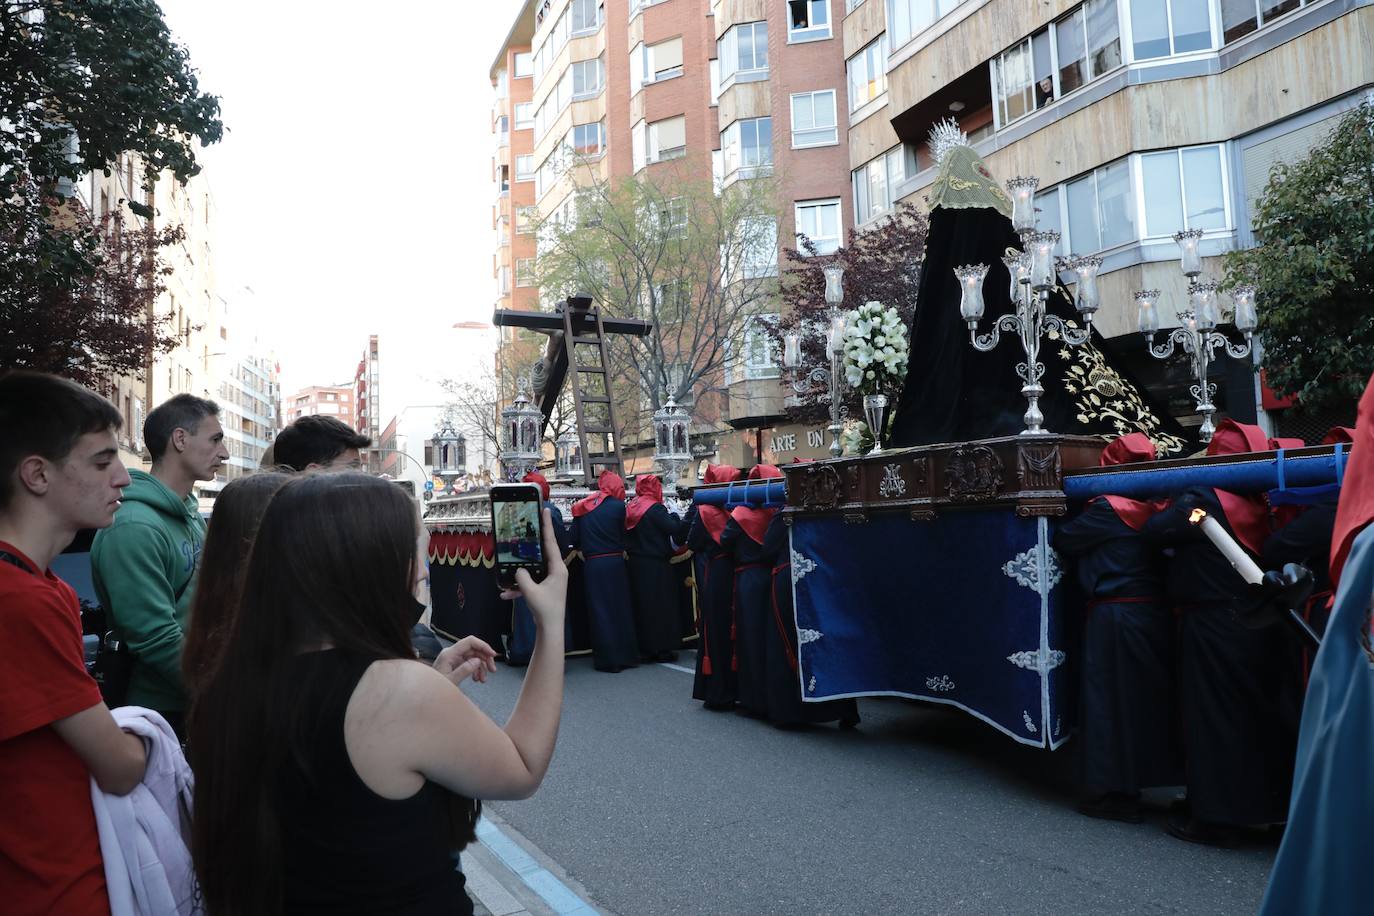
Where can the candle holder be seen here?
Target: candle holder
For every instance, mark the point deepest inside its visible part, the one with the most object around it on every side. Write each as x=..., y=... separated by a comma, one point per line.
x=1197, y=334
x=1033, y=274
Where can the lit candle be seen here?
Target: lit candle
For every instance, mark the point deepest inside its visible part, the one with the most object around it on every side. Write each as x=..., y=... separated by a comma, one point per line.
x=1147, y=321
x=834, y=343
x=1234, y=553
x=1086, y=297
x=971, y=288
x=1247, y=318
x=791, y=352
x=1188, y=243
x=1042, y=245
x=834, y=284
x=1204, y=296
x=1022, y=192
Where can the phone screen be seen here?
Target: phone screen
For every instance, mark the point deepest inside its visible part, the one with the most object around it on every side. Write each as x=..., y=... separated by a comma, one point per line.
x=515, y=526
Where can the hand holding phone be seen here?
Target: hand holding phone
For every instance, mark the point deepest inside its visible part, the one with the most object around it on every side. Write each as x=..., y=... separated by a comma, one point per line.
x=547, y=599
x=516, y=524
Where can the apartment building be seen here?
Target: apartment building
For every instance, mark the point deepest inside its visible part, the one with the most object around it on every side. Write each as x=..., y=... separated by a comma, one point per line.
x=367, y=404
x=330, y=400
x=513, y=166
x=249, y=399
x=1139, y=117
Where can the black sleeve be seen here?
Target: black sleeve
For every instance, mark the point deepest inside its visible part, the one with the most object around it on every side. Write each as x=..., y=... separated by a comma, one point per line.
x=1306, y=539
x=1171, y=526
x=730, y=537
x=1096, y=523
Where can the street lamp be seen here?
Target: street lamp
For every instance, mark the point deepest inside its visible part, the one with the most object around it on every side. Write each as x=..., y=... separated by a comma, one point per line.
x=520, y=452
x=1198, y=335
x=671, y=451
x=450, y=455
x=1033, y=274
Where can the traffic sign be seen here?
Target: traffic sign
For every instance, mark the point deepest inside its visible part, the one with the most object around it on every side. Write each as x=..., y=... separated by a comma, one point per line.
x=429, y=485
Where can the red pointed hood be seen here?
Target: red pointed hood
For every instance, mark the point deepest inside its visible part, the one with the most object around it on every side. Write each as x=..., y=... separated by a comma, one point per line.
x=648, y=490
x=608, y=484
x=755, y=521
x=1356, y=508
x=1248, y=515
x=714, y=517
x=541, y=480
x=1129, y=449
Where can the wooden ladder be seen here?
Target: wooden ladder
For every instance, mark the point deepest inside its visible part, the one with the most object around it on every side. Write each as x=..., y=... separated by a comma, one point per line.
x=584, y=337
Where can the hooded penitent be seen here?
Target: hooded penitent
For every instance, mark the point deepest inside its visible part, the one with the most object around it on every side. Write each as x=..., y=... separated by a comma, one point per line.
x=1248, y=515
x=1356, y=508
x=954, y=393
x=608, y=484
x=648, y=490
x=535, y=477
x=1130, y=449
x=714, y=517
x=754, y=521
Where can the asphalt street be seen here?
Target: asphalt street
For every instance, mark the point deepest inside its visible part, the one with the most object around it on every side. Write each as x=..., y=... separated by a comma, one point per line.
x=654, y=805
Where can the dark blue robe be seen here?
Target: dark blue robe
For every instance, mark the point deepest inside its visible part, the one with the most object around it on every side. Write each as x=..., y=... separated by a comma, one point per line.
x=715, y=683
x=752, y=595
x=653, y=586
x=521, y=645
x=600, y=535
x=1323, y=864
x=1126, y=733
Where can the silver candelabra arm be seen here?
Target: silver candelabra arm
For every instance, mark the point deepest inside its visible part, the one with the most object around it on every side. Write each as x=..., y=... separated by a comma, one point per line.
x=1165, y=350
x=810, y=380
x=1070, y=335
x=1240, y=350
x=985, y=342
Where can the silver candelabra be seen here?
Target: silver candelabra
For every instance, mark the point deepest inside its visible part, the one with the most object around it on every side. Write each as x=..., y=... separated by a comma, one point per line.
x=1034, y=273
x=1197, y=335
x=805, y=381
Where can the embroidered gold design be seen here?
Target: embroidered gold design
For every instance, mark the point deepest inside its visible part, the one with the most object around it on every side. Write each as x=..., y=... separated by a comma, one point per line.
x=1103, y=396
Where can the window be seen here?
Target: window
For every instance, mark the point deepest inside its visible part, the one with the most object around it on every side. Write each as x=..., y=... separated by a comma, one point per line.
x=759, y=350
x=503, y=279
x=876, y=183
x=908, y=18
x=813, y=119
x=524, y=168
x=588, y=77
x=748, y=145
x=1183, y=189
x=672, y=301
x=1073, y=51
x=1087, y=44
x=668, y=139
x=757, y=248
x=639, y=145
x=524, y=64
x=808, y=20
x=586, y=16
x=743, y=52
x=650, y=63
x=503, y=178
x=867, y=74
x=819, y=221
x=524, y=272
x=588, y=139
x=1023, y=78
x=524, y=115
x=672, y=217
x=1160, y=28
x=715, y=81
x=1101, y=209
x=502, y=126
x=526, y=219
x=1241, y=17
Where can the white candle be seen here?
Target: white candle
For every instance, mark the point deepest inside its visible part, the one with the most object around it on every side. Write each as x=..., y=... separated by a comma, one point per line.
x=1234, y=553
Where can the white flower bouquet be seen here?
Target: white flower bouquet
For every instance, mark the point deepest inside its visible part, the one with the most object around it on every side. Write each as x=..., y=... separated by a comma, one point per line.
x=875, y=349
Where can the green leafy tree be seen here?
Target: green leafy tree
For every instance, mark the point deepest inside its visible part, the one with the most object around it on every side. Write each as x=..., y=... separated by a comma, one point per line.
x=1314, y=268
x=83, y=82
x=672, y=250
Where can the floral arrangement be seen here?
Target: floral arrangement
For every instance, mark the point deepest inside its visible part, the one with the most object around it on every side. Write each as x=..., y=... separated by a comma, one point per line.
x=875, y=349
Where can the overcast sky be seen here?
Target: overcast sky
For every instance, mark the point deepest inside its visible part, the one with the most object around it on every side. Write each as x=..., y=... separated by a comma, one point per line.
x=353, y=185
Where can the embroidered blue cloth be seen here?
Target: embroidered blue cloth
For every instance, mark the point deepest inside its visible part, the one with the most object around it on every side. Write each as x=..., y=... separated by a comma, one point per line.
x=965, y=610
x=1323, y=864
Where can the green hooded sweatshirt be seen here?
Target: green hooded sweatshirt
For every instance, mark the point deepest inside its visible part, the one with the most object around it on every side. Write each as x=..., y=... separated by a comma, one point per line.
x=144, y=566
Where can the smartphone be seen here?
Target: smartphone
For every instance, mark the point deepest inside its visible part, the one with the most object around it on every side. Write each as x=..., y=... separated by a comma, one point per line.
x=516, y=519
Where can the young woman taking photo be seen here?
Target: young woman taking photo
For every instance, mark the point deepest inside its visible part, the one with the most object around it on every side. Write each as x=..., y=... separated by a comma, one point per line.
x=334, y=773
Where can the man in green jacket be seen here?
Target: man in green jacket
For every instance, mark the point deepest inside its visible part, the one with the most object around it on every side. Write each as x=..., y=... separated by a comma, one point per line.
x=144, y=565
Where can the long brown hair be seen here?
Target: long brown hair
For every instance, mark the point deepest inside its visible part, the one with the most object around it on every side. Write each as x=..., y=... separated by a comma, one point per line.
x=233, y=525
x=332, y=564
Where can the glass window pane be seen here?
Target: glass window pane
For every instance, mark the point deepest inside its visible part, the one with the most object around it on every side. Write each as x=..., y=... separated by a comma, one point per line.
x=1202, y=179
x=877, y=187
x=1072, y=51
x=1104, y=37
x=1237, y=19
x=1042, y=68
x=1047, y=214
x=1115, y=204
x=1163, y=193
x=1083, y=216
x=1192, y=26
x=1270, y=9
x=1150, y=28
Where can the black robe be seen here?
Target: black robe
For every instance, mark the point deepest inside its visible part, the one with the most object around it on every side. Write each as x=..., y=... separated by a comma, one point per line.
x=653, y=586
x=715, y=683
x=600, y=535
x=954, y=393
x=781, y=673
x=751, y=595
x=1126, y=697
x=1307, y=540
x=1231, y=679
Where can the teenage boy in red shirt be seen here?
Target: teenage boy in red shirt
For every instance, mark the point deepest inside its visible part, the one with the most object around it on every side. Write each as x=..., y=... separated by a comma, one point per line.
x=59, y=473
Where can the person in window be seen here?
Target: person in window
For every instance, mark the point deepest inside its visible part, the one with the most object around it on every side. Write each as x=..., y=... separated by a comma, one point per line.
x=1126, y=694
x=1231, y=678
x=598, y=530
x=649, y=530
x=1044, y=92
x=715, y=684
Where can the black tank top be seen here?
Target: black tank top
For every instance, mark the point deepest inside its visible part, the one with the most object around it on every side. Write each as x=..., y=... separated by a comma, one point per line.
x=347, y=849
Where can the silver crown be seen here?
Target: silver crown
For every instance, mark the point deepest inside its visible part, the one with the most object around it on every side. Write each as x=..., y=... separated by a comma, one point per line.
x=944, y=136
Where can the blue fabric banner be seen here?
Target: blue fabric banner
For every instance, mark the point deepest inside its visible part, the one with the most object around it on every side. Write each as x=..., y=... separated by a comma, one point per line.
x=966, y=610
